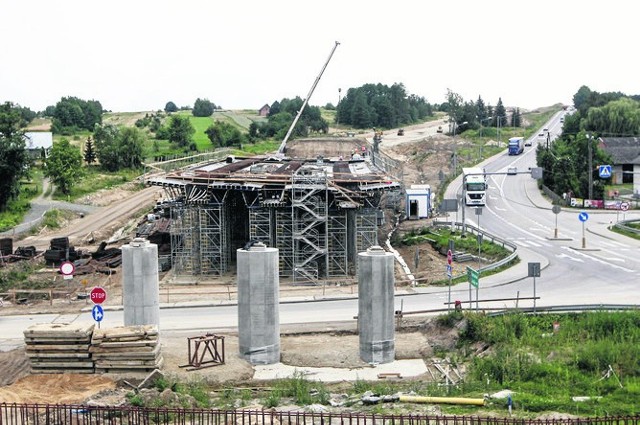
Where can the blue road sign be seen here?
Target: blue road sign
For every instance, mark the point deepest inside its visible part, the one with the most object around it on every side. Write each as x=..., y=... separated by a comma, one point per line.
x=97, y=312
x=583, y=216
x=604, y=171
x=449, y=270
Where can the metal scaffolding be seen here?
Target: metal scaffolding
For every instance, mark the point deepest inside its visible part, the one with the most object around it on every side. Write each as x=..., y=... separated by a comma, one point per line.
x=309, y=215
x=338, y=244
x=199, y=237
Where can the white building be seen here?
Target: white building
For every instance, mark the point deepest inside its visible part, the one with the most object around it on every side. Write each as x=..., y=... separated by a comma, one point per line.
x=36, y=141
x=418, y=201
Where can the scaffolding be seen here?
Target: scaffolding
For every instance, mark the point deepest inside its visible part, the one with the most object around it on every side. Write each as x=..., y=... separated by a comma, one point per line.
x=318, y=214
x=309, y=211
x=199, y=238
x=338, y=245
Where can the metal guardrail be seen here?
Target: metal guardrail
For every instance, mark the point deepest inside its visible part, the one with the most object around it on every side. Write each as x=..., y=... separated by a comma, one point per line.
x=622, y=225
x=569, y=308
x=494, y=239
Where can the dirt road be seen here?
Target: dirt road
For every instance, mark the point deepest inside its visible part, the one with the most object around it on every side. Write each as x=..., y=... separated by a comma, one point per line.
x=100, y=224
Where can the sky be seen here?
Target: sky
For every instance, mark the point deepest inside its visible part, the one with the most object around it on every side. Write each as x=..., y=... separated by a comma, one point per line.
x=137, y=55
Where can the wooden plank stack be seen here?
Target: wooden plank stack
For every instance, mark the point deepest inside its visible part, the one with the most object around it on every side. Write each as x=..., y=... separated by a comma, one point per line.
x=59, y=347
x=126, y=348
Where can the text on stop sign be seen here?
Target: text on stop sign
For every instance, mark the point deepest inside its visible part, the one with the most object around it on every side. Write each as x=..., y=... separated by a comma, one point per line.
x=98, y=295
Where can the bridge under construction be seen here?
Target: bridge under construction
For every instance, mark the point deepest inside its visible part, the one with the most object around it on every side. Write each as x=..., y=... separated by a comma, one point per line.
x=318, y=212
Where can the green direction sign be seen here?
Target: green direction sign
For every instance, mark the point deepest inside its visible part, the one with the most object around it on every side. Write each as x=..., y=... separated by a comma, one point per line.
x=473, y=276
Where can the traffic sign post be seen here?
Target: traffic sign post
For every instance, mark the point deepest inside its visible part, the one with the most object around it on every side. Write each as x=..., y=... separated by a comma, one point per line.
x=556, y=210
x=583, y=217
x=98, y=295
x=534, y=271
x=67, y=269
x=604, y=171
x=97, y=312
x=473, y=276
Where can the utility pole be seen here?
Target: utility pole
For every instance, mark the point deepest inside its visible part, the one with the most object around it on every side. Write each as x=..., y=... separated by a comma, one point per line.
x=590, y=167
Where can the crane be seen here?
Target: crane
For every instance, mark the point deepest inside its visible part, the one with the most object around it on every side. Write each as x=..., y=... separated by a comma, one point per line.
x=313, y=87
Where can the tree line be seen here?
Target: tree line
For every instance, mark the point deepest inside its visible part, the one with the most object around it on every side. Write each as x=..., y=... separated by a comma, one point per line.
x=378, y=105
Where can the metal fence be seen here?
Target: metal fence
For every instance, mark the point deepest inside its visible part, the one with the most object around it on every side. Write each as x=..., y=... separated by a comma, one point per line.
x=14, y=414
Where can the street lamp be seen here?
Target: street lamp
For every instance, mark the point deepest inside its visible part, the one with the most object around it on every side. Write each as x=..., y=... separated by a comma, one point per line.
x=499, y=120
x=455, y=146
x=480, y=135
x=590, y=166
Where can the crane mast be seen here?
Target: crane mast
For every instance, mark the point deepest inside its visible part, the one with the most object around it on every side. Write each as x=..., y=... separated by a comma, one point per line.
x=313, y=87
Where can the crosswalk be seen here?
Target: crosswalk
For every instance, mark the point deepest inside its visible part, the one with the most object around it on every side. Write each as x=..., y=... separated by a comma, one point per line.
x=537, y=243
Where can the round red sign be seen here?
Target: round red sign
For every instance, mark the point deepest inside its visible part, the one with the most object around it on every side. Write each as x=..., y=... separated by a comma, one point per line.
x=98, y=295
x=449, y=257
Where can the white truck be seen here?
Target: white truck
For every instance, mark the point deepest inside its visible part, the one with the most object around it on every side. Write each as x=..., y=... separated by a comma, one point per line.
x=474, y=186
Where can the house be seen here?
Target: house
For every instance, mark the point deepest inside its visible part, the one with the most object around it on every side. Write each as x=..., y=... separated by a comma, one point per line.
x=264, y=111
x=625, y=154
x=38, y=141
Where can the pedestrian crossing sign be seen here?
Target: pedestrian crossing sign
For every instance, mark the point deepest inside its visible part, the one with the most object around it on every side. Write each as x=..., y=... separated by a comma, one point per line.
x=604, y=171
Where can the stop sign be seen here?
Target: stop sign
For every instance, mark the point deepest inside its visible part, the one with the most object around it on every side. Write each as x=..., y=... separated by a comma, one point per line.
x=449, y=257
x=98, y=295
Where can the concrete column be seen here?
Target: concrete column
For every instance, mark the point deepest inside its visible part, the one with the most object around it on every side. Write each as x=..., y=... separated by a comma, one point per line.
x=140, y=286
x=258, y=310
x=376, y=305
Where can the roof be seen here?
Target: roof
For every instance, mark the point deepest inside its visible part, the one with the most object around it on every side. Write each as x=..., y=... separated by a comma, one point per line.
x=623, y=150
x=38, y=140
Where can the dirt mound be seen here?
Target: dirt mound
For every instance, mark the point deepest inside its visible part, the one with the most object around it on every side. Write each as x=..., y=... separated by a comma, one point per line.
x=67, y=388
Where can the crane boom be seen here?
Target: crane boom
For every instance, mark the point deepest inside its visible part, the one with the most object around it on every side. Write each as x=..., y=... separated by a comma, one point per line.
x=313, y=87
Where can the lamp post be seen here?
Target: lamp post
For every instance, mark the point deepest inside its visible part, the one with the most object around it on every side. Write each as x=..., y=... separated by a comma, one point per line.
x=590, y=166
x=455, y=146
x=499, y=120
x=480, y=135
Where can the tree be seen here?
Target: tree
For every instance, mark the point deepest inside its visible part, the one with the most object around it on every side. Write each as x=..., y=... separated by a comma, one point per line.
x=72, y=114
x=223, y=134
x=13, y=156
x=170, y=107
x=64, y=165
x=118, y=148
x=89, y=152
x=130, y=147
x=500, y=113
x=516, y=118
x=180, y=131
x=203, y=108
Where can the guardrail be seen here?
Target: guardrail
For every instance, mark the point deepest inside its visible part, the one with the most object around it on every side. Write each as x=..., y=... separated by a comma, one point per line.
x=622, y=225
x=494, y=239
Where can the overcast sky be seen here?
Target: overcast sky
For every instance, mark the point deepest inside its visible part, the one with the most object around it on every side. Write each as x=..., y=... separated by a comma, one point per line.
x=137, y=55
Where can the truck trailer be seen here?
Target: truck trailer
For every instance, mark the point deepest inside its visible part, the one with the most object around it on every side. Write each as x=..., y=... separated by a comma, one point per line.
x=516, y=145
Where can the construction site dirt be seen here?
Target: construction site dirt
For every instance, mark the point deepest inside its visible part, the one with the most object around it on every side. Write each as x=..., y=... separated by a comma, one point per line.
x=425, y=155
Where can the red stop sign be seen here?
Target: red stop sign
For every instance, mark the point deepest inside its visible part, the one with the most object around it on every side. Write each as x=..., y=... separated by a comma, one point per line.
x=98, y=295
x=449, y=257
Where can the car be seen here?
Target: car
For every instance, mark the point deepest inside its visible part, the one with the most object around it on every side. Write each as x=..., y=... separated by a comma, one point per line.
x=512, y=170
x=540, y=134
x=401, y=132
x=546, y=130
x=527, y=142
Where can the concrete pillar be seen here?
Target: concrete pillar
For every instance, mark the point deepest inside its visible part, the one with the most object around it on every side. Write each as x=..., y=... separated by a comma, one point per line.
x=258, y=310
x=376, y=305
x=140, y=286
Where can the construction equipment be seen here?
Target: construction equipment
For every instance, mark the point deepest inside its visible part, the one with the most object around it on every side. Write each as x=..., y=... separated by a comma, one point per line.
x=313, y=87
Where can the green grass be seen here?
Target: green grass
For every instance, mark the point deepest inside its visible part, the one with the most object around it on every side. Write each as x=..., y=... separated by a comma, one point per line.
x=94, y=180
x=17, y=208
